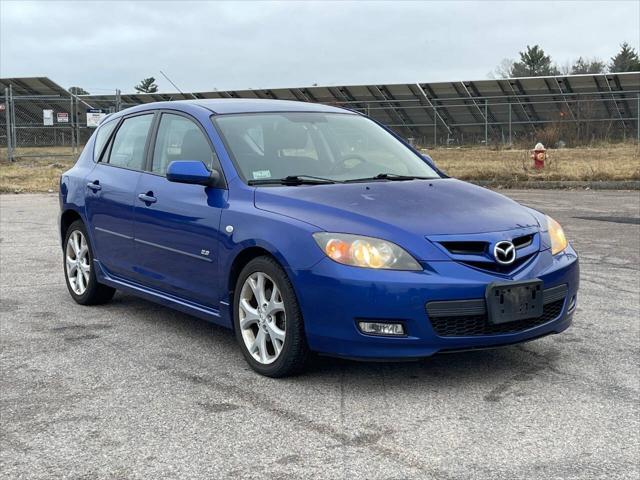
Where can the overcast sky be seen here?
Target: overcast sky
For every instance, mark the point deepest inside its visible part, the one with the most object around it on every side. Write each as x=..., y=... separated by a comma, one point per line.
x=202, y=45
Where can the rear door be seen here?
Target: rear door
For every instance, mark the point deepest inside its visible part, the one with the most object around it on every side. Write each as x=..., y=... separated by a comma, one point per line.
x=177, y=224
x=111, y=188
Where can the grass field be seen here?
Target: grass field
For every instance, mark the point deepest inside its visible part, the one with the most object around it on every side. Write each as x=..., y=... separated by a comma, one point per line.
x=504, y=167
x=613, y=162
x=34, y=174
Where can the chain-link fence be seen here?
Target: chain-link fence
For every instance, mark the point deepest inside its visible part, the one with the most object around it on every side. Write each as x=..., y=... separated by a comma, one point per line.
x=59, y=125
x=500, y=122
x=39, y=125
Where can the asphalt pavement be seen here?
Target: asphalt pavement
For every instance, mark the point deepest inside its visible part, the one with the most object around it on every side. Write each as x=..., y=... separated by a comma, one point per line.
x=132, y=390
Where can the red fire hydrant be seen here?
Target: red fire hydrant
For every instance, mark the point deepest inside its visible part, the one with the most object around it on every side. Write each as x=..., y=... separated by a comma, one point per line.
x=539, y=155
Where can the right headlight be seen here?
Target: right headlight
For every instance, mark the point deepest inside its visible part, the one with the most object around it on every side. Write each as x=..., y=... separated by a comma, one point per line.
x=556, y=234
x=366, y=252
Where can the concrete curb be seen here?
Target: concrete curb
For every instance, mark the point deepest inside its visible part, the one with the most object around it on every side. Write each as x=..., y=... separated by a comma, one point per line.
x=562, y=184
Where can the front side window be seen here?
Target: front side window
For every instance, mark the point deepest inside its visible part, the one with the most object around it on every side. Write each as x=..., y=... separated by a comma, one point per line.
x=103, y=134
x=335, y=146
x=128, y=145
x=179, y=138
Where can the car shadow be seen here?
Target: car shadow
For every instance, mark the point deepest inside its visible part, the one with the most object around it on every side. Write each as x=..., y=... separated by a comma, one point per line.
x=515, y=363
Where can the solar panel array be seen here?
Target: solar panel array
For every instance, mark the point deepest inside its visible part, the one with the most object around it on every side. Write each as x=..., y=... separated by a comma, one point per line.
x=449, y=110
x=442, y=112
x=36, y=86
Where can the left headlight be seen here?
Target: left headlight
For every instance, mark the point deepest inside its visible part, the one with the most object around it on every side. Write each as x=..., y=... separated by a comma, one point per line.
x=367, y=252
x=558, y=239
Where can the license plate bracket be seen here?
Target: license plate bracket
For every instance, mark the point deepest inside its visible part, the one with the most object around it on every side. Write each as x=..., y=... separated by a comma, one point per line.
x=513, y=301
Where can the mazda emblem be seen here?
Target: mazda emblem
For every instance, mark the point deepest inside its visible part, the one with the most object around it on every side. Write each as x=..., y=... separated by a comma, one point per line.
x=504, y=252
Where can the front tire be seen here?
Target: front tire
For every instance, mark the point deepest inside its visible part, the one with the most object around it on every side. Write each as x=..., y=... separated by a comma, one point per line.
x=267, y=319
x=79, y=271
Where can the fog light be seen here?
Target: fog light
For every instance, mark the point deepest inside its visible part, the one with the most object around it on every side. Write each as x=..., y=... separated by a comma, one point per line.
x=379, y=328
x=572, y=304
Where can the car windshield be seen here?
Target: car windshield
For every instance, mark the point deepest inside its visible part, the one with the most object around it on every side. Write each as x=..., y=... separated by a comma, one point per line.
x=321, y=146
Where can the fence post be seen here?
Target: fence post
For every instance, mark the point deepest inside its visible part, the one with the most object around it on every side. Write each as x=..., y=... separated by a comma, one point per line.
x=76, y=117
x=118, y=101
x=72, y=115
x=7, y=115
x=638, y=120
x=486, y=125
x=12, y=114
x=435, y=126
x=510, y=140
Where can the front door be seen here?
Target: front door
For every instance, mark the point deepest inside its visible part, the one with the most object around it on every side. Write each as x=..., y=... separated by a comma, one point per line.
x=110, y=195
x=177, y=225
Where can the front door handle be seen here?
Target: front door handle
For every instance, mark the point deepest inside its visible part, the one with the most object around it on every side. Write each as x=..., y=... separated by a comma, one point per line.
x=95, y=185
x=147, y=197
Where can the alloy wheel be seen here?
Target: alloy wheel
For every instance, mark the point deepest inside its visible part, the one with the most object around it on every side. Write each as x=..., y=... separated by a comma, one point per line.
x=77, y=262
x=262, y=318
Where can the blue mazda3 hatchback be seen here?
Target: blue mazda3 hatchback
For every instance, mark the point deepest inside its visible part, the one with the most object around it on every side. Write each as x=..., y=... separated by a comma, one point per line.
x=306, y=228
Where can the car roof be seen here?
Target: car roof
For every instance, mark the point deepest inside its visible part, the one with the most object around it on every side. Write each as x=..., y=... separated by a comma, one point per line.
x=224, y=106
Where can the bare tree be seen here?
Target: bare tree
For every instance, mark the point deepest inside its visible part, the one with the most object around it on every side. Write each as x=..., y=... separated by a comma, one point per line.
x=503, y=70
x=584, y=65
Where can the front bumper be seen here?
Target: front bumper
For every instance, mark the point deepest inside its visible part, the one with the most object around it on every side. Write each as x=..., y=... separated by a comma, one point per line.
x=334, y=297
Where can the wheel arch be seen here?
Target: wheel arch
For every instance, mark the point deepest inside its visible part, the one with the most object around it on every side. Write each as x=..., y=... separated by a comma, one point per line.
x=239, y=262
x=242, y=258
x=66, y=219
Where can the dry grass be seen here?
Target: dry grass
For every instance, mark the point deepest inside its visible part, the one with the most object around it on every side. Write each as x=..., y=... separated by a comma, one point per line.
x=612, y=162
x=34, y=174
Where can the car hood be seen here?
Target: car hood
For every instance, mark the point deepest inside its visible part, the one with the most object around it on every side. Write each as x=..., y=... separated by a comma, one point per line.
x=437, y=207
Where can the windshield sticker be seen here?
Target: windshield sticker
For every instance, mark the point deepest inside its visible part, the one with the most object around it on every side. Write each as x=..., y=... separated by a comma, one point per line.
x=258, y=174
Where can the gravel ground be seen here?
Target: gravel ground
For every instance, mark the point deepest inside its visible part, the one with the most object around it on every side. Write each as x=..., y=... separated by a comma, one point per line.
x=134, y=390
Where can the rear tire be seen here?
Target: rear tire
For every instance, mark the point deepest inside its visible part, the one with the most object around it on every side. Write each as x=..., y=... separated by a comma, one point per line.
x=268, y=323
x=79, y=271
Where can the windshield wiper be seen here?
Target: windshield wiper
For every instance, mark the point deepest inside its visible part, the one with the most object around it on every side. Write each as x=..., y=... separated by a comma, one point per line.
x=391, y=176
x=293, y=180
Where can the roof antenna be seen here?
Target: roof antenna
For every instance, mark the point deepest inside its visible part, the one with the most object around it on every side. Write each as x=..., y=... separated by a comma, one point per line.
x=175, y=86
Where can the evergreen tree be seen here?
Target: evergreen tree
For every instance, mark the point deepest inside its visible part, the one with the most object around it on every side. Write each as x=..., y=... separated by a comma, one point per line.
x=533, y=63
x=626, y=60
x=147, y=86
x=78, y=91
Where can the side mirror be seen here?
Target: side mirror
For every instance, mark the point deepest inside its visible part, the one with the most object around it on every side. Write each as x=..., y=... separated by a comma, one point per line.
x=194, y=172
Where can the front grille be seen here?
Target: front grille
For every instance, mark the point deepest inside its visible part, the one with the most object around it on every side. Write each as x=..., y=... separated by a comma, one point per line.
x=478, y=324
x=466, y=248
x=496, y=267
x=477, y=253
x=452, y=318
x=524, y=241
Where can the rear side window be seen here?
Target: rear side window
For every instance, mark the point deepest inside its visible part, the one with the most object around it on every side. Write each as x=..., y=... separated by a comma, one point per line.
x=127, y=149
x=104, y=132
x=179, y=138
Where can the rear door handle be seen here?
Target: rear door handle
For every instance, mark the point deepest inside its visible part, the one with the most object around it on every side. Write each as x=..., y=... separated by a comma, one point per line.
x=147, y=197
x=95, y=185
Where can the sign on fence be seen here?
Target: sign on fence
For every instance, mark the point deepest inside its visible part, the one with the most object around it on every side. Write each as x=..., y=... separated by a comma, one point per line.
x=47, y=118
x=95, y=116
x=63, y=117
